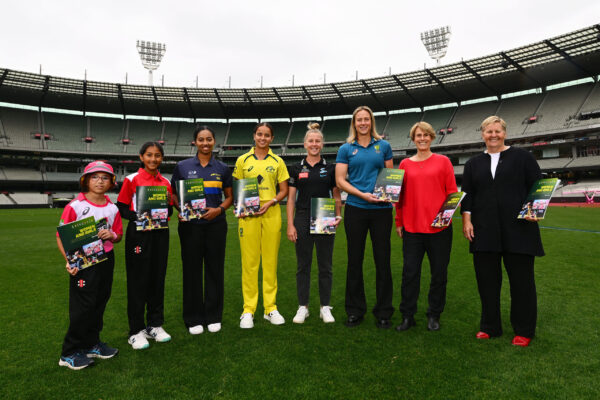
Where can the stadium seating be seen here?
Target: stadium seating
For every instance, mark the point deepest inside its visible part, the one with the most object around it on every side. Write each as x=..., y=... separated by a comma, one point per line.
x=557, y=108
x=67, y=131
x=298, y=131
x=554, y=163
x=62, y=176
x=466, y=122
x=142, y=131
x=21, y=174
x=280, y=130
x=336, y=130
x=240, y=133
x=592, y=103
x=584, y=162
x=107, y=134
x=439, y=118
x=398, y=129
x=516, y=110
x=19, y=125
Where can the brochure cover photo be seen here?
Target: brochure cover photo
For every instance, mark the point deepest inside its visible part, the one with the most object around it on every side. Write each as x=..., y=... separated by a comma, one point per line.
x=389, y=184
x=151, y=206
x=81, y=243
x=322, y=216
x=537, y=201
x=245, y=197
x=444, y=216
x=192, y=201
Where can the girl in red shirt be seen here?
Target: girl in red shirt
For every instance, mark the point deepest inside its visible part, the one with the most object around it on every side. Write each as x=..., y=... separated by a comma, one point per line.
x=146, y=253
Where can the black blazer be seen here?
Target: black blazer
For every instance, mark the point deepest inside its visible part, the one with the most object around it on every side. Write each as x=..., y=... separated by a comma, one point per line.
x=494, y=203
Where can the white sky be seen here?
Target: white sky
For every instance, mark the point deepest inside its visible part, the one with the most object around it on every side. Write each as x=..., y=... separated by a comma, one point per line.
x=276, y=39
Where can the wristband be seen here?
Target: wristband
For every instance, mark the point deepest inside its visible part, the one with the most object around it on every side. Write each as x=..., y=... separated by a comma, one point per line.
x=115, y=236
x=338, y=217
x=275, y=200
x=222, y=209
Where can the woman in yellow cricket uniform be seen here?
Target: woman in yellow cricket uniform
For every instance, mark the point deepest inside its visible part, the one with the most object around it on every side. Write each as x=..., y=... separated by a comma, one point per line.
x=260, y=234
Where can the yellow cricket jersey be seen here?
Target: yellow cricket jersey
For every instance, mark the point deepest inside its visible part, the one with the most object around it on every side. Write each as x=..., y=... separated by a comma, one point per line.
x=269, y=172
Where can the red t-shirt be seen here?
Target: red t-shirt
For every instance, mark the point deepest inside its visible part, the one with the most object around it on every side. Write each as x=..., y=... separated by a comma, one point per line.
x=141, y=178
x=424, y=189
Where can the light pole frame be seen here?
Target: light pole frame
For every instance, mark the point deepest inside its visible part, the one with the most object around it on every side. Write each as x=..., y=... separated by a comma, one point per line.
x=151, y=54
x=436, y=42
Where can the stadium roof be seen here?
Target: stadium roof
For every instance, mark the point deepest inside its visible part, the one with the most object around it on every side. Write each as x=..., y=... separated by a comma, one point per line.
x=563, y=58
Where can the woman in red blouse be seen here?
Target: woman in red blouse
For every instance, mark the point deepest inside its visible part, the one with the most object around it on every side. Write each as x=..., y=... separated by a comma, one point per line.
x=428, y=179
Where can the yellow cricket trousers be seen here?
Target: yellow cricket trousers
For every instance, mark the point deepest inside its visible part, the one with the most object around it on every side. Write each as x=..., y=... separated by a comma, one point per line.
x=260, y=237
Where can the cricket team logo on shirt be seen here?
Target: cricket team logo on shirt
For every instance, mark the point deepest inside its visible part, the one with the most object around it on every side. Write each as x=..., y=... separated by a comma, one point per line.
x=137, y=250
x=80, y=283
x=322, y=172
x=270, y=169
x=377, y=149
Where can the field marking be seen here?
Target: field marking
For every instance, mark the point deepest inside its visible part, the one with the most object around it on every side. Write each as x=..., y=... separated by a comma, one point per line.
x=569, y=229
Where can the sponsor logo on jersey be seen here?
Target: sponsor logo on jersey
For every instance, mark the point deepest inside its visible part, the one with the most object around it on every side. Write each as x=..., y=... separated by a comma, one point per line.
x=354, y=152
x=80, y=283
x=251, y=168
x=85, y=211
x=137, y=250
x=303, y=175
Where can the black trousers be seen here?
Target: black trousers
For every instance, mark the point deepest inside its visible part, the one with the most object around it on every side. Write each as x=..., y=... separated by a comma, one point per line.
x=146, y=255
x=304, y=253
x=203, y=261
x=378, y=223
x=89, y=292
x=414, y=246
x=523, y=309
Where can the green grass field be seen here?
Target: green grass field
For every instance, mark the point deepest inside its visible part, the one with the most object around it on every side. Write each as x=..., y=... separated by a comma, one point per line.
x=313, y=360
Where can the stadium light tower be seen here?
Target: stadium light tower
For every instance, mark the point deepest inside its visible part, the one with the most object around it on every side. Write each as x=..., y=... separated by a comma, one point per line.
x=151, y=54
x=436, y=42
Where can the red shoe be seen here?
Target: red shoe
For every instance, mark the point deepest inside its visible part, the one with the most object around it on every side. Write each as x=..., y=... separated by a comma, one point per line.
x=482, y=335
x=521, y=341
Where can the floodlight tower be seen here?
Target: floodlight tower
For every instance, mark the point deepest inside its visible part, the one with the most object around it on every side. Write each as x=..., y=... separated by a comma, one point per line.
x=151, y=54
x=436, y=42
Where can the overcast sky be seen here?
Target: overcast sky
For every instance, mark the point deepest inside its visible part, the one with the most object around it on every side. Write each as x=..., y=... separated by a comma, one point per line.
x=276, y=39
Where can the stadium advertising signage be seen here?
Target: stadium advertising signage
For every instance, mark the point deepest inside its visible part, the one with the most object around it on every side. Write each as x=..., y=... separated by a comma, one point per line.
x=192, y=201
x=151, y=206
x=81, y=243
x=245, y=197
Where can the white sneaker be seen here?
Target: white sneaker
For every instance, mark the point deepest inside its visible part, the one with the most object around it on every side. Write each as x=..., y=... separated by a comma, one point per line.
x=196, y=330
x=213, y=328
x=301, y=315
x=275, y=318
x=247, y=321
x=138, y=341
x=158, y=334
x=325, y=314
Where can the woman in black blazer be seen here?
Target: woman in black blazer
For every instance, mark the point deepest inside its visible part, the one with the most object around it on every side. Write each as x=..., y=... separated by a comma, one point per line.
x=497, y=183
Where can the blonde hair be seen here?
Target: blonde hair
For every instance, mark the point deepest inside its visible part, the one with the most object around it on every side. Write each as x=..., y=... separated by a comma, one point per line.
x=492, y=120
x=352, y=135
x=313, y=127
x=425, y=127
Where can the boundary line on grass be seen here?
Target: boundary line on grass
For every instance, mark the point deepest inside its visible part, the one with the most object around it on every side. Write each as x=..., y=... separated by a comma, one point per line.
x=569, y=229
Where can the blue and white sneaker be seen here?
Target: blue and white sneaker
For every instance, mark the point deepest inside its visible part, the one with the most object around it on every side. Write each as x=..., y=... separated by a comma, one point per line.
x=75, y=361
x=102, y=350
x=157, y=333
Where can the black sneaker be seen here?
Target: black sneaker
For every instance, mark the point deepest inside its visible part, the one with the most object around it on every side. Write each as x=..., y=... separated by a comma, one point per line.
x=102, y=350
x=75, y=361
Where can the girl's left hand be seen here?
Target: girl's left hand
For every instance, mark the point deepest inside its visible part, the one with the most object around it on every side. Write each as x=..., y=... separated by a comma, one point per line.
x=531, y=219
x=265, y=207
x=211, y=213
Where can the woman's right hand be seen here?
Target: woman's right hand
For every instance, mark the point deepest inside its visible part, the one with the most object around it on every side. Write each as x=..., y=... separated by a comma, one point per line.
x=371, y=198
x=468, y=231
x=292, y=234
x=399, y=231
